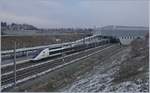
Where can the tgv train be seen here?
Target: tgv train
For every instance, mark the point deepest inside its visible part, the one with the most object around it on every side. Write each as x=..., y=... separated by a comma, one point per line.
x=68, y=49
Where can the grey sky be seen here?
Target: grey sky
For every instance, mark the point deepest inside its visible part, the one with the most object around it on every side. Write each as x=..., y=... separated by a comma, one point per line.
x=75, y=13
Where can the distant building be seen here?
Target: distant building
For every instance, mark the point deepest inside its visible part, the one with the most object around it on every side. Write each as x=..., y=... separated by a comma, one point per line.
x=125, y=33
x=29, y=30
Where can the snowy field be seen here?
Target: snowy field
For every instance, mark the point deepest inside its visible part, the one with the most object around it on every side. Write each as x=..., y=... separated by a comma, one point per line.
x=100, y=79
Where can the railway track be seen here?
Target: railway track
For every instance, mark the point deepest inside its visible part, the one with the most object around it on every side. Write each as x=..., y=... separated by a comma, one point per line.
x=28, y=63
x=20, y=67
x=30, y=68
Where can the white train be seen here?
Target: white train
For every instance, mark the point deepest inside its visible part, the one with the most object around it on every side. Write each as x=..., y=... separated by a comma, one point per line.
x=68, y=49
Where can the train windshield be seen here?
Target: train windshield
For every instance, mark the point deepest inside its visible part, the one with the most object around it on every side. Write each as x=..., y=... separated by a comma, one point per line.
x=37, y=52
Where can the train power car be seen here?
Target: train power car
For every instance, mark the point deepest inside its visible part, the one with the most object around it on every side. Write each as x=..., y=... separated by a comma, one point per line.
x=68, y=49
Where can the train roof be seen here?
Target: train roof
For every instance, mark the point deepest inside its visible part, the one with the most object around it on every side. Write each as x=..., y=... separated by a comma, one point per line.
x=59, y=49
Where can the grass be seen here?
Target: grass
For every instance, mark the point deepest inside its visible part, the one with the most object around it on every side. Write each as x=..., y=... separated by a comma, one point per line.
x=137, y=63
x=7, y=42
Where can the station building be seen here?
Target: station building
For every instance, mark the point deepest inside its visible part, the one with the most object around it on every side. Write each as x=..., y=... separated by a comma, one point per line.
x=125, y=34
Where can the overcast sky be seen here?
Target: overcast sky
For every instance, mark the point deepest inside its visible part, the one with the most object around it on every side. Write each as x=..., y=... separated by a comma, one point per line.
x=75, y=13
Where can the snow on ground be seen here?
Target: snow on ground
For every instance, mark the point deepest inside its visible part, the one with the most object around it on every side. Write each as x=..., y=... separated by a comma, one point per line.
x=100, y=78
